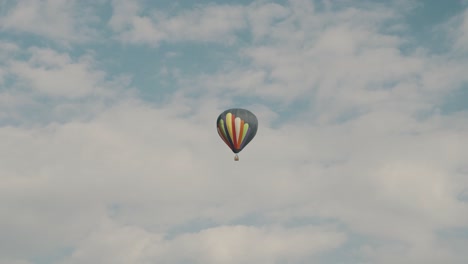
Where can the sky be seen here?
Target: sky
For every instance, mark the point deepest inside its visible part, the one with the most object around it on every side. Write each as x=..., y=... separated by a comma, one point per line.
x=109, y=151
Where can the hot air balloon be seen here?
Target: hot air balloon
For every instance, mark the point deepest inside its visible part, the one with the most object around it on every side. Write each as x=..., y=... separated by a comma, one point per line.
x=237, y=127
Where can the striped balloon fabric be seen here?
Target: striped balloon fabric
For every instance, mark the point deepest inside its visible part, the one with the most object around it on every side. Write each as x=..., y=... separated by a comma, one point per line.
x=237, y=127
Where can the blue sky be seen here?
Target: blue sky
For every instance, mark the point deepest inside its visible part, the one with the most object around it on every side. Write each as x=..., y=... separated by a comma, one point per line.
x=109, y=152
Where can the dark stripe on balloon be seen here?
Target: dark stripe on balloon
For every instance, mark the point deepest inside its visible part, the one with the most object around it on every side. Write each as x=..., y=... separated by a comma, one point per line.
x=222, y=130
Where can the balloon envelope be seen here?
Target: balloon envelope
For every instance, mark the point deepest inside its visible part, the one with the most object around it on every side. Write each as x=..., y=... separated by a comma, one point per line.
x=237, y=127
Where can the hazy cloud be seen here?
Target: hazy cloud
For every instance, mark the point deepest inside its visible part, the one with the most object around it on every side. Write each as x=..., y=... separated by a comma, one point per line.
x=355, y=160
x=63, y=21
x=215, y=23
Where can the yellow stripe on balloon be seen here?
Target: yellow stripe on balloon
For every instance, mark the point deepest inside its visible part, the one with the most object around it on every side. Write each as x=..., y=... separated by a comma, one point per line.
x=229, y=125
x=244, y=133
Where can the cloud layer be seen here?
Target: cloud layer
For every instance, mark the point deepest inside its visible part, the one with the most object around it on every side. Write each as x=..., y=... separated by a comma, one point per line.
x=360, y=156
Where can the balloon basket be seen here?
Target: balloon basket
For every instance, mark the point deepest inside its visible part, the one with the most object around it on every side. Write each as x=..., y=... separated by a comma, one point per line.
x=236, y=158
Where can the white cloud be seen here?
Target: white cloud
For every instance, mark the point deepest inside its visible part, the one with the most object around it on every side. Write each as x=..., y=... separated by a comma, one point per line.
x=104, y=162
x=161, y=168
x=13, y=261
x=462, y=34
x=319, y=53
x=344, y=61
x=223, y=244
x=43, y=85
x=206, y=24
x=55, y=19
x=453, y=34
x=262, y=16
x=371, y=153
x=55, y=74
x=123, y=13
x=7, y=50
